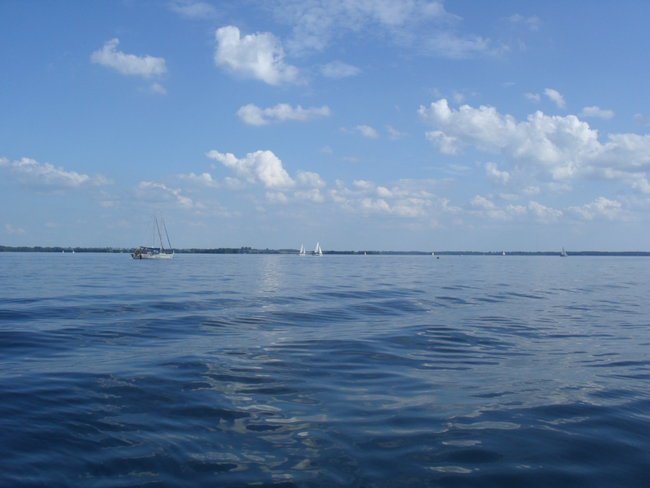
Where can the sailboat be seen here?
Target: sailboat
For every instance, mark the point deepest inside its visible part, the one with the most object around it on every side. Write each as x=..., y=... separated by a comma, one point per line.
x=302, y=250
x=145, y=252
x=318, y=251
x=563, y=254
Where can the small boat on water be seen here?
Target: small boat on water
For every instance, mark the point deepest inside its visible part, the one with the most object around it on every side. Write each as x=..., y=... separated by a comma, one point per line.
x=302, y=250
x=563, y=254
x=318, y=251
x=162, y=252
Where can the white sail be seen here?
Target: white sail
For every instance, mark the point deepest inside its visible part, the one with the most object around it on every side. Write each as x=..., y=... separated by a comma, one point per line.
x=302, y=250
x=318, y=251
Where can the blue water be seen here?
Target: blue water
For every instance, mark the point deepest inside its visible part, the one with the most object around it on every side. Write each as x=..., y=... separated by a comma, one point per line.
x=376, y=371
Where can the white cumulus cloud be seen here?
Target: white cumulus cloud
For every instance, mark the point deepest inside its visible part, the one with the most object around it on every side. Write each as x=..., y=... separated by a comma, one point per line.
x=596, y=112
x=446, y=144
x=366, y=131
x=31, y=172
x=128, y=64
x=259, y=166
x=259, y=56
x=203, y=179
x=310, y=179
x=560, y=147
x=544, y=213
x=600, y=208
x=555, y=97
x=254, y=115
x=155, y=190
x=533, y=97
x=496, y=175
x=406, y=198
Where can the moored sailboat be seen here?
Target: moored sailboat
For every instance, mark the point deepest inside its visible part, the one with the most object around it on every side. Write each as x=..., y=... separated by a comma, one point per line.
x=146, y=252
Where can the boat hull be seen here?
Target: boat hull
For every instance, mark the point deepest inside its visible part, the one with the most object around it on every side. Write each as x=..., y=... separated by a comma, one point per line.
x=152, y=256
x=151, y=253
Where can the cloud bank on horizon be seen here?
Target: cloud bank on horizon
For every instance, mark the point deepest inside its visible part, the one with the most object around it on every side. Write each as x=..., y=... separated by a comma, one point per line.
x=408, y=124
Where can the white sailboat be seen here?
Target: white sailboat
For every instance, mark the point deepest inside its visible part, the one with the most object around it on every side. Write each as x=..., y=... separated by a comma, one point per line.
x=146, y=252
x=563, y=254
x=302, y=251
x=318, y=251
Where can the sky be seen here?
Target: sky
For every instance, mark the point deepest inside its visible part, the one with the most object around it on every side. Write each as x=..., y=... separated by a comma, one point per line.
x=361, y=124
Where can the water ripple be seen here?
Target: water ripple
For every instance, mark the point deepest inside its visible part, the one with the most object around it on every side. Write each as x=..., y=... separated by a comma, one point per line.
x=341, y=371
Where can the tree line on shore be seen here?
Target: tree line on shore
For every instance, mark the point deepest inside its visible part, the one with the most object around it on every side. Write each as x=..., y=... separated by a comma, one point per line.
x=250, y=250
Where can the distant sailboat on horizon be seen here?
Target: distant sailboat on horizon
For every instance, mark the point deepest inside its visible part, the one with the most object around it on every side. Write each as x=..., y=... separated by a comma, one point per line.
x=318, y=251
x=563, y=254
x=302, y=250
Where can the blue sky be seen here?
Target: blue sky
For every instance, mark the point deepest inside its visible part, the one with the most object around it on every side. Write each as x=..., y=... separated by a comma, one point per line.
x=374, y=124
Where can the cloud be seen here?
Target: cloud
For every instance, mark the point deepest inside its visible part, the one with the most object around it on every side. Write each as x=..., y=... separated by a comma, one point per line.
x=543, y=213
x=277, y=197
x=394, y=134
x=446, y=144
x=486, y=208
x=450, y=45
x=128, y=64
x=203, y=179
x=533, y=97
x=406, y=198
x=555, y=97
x=31, y=172
x=14, y=231
x=600, y=208
x=494, y=174
x=313, y=195
x=152, y=189
x=423, y=25
x=316, y=22
x=259, y=56
x=338, y=70
x=310, y=179
x=259, y=166
x=158, y=89
x=597, y=112
x=483, y=203
x=194, y=10
x=641, y=119
x=560, y=147
x=254, y=115
x=532, y=22
x=365, y=131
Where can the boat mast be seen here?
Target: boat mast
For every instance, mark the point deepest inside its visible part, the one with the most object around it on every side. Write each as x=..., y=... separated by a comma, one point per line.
x=162, y=247
x=166, y=234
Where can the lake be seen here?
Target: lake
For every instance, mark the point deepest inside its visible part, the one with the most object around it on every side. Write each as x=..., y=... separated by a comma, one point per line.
x=374, y=371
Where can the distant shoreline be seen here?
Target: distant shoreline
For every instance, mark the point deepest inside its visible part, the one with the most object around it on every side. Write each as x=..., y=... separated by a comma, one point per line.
x=249, y=250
